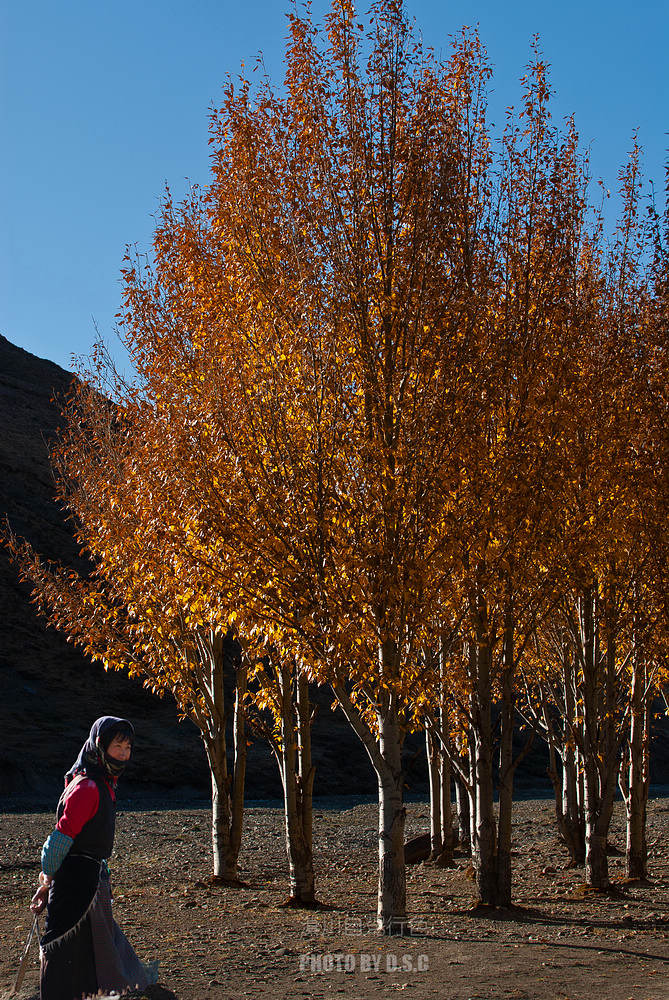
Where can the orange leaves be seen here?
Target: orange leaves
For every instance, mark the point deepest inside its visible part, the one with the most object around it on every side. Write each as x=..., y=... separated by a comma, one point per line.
x=378, y=371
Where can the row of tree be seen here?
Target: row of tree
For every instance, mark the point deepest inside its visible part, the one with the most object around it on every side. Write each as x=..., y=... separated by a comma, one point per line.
x=398, y=427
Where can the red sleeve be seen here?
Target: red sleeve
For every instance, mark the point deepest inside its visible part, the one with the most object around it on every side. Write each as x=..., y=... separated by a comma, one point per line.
x=81, y=804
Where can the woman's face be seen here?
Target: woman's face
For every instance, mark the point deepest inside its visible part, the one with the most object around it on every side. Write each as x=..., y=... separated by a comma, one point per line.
x=119, y=748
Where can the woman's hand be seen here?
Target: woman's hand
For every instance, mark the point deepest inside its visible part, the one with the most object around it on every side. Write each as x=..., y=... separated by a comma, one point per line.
x=38, y=902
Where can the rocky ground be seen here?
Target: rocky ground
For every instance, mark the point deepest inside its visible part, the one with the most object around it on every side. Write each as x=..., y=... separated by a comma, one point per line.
x=559, y=943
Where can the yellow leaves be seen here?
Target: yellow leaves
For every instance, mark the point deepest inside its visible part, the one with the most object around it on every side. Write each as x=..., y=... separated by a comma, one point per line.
x=361, y=470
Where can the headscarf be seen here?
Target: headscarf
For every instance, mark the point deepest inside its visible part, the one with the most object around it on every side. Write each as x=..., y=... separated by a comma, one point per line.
x=93, y=758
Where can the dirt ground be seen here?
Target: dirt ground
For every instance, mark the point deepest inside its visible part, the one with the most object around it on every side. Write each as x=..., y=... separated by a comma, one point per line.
x=559, y=943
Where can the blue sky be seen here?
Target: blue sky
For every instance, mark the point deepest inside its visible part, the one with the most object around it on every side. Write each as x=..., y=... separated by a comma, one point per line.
x=101, y=104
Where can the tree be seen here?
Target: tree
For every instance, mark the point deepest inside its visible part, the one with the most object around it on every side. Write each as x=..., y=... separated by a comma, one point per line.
x=138, y=610
x=514, y=461
x=587, y=677
x=303, y=308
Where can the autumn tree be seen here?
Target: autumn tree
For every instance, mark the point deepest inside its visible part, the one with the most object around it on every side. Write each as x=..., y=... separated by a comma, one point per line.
x=608, y=551
x=527, y=256
x=138, y=610
x=307, y=308
x=369, y=322
x=642, y=302
x=590, y=658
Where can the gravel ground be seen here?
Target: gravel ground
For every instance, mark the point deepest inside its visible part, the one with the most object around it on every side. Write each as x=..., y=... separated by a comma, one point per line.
x=559, y=942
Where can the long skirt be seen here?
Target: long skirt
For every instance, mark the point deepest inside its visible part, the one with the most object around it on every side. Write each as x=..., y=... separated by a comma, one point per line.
x=83, y=950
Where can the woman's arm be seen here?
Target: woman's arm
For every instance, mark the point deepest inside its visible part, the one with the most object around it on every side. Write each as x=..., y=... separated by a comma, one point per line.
x=80, y=805
x=54, y=851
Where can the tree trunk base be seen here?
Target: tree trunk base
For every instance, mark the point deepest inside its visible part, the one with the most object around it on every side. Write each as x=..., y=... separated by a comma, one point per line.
x=295, y=903
x=489, y=909
x=575, y=844
x=396, y=927
x=228, y=880
x=613, y=889
x=637, y=869
x=642, y=880
x=444, y=860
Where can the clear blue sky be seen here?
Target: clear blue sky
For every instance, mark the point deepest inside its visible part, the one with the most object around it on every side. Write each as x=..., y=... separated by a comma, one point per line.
x=101, y=103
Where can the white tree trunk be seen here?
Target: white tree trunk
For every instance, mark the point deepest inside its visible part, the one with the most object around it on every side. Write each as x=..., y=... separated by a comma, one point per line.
x=227, y=811
x=432, y=750
x=385, y=755
x=637, y=796
x=391, y=910
x=297, y=785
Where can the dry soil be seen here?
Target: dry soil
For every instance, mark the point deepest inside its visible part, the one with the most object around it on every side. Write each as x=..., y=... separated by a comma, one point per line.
x=218, y=943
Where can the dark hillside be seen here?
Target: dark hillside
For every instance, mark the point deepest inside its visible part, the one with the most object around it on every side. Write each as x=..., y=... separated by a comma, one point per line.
x=49, y=693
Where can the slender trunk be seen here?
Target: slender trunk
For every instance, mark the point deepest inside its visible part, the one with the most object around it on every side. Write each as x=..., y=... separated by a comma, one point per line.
x=573, y=797
x=637, y=794
x=570, y=815
x=385, y=756
x=445, y=769
x=463, y=809
x=600, y=741
x=298, y=839
x=220, y=806
x=226, y=810
x=238, y=778
x=391, y=911
x=306, y=767
x=557, y=783
x=445, y=859
x=596, y=862
x=434, y=758
x=570, y=827
x=483, y=830
x=506, y=773
x=483, y=847
x=573, y=825
x=473, y=819
x=580, y=787
x=507, y=766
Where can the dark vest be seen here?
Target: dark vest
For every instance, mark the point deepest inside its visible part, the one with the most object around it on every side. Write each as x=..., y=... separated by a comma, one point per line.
x=96, y=838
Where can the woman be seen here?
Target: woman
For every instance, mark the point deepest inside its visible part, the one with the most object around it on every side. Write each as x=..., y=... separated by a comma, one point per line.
x=83, y=950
